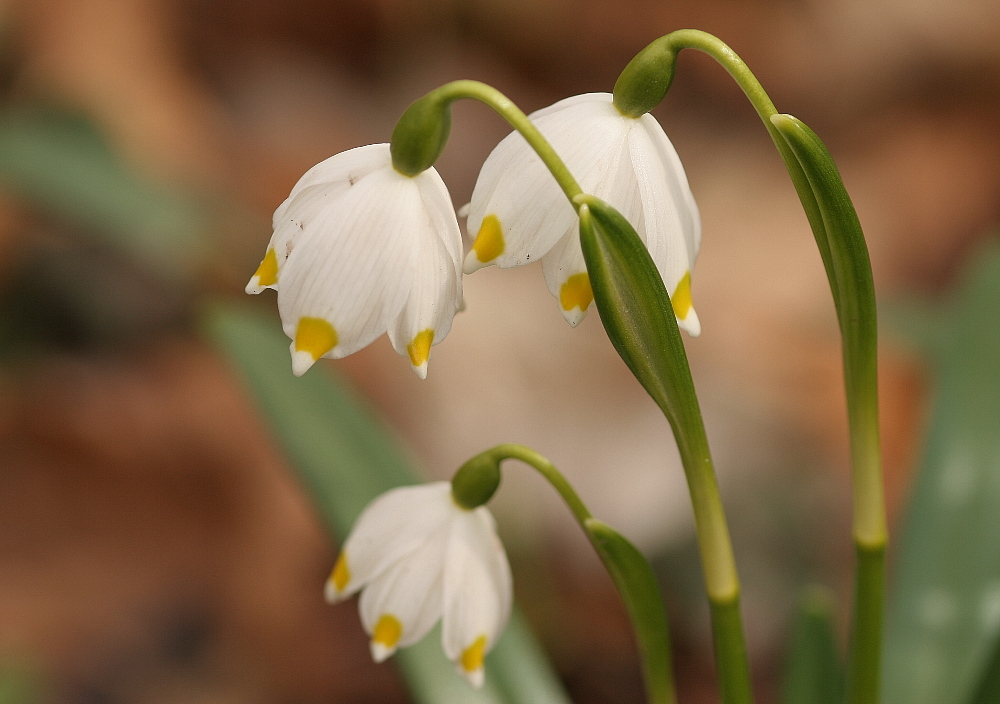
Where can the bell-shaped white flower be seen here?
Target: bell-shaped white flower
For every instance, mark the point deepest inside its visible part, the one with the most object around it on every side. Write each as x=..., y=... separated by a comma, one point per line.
x=419, y=557
x=519, y=215
x=359, y=249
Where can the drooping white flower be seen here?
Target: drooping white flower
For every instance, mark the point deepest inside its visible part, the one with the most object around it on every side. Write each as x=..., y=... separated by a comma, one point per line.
x=359, y=249
x=419, y=557
x=519, y=215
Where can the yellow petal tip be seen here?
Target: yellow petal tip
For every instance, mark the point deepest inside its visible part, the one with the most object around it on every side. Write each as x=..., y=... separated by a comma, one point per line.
x=266, y=274
x=470, y=663
x=419, y=351
x=340, y=577
x=575, y=297
x=314, y=337
x=489, y=244
x=385, y=637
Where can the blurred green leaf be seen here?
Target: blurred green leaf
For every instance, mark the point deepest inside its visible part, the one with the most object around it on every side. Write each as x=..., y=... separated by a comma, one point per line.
x=18, y=684
x=987, y=690
x=62, y=165
x=634, y=578
x=944, y=613
x=813, y=673
x=345, y=458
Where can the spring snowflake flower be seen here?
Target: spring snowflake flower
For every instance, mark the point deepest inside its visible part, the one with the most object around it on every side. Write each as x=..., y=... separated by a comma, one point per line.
x=420, y=557
x=519, y=215
x=359, y=249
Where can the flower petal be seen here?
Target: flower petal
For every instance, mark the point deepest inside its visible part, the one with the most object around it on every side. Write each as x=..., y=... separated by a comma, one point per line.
x=665, y=220
x=477, y=592
x=678, y=184
x=436, y=292
x=392, y=527
x=516, y=189
x=400, y=605
x=343, y=169
x=352, y=266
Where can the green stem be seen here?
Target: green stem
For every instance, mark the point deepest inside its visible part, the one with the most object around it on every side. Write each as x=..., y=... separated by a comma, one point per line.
x=629, y=570
x=443, y=97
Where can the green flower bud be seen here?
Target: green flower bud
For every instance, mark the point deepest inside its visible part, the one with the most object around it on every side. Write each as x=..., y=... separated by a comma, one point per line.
x=646, y=79
x=421, y=133
x=477, y=480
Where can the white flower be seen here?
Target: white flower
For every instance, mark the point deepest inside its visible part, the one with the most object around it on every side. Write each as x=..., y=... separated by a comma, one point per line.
x=519, y=215
x=360, y=249
x=419, y=557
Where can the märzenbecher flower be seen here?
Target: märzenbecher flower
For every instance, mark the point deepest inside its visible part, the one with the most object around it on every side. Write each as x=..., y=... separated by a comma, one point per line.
x=419, y=556
x=518, y=214
x=360, y=249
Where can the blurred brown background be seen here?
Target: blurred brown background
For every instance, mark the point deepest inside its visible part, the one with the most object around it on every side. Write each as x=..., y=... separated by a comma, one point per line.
x=154, y=546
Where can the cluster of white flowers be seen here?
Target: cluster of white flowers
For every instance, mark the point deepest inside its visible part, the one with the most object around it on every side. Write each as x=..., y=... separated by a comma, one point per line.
x=359, y=249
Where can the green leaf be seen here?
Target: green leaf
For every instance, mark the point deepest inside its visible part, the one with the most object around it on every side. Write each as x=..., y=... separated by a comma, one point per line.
x=987, y=691
x=640, y=591
x=944, y=614
x=813, y=673
x=61, y=163
x=345, y=458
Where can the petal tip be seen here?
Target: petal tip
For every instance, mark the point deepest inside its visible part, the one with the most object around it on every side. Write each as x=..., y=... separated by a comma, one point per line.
x=420, y=370
x=476, y=677
x=330, y=592
x=472, y=263
x=691, y=324
x=301, y=362
x=574, y=317
x=380, y=651
x=253, y=286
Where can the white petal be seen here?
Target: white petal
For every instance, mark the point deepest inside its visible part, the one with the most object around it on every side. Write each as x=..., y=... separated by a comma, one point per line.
x=406, y=599
x=344, y=168
x=563, y=263
x=515, y=186
x=353, y=266
x=678, y=183
x=392, y=527
x=435, y=297
x=477, y=591
x=665, y=218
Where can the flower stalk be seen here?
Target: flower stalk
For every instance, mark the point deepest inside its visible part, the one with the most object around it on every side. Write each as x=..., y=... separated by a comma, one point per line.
x=629, y=570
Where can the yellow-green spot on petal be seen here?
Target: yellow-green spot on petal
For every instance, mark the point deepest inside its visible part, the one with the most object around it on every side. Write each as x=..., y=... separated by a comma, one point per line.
x=387, y=631
x=341, y=574
x=420, y=348
x=576, y=292
x=315, y=336
x=472, y=657
x=681, y=298
x=267, y=272
x=489, y=242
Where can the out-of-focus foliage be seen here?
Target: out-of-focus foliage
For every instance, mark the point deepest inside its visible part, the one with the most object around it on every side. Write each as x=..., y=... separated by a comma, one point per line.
x=62, y=164
x=944, y=610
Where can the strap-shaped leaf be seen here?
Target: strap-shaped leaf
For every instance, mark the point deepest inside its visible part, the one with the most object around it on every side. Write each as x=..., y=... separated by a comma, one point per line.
x=944, y=613
x=813, y=673
x=345, y=458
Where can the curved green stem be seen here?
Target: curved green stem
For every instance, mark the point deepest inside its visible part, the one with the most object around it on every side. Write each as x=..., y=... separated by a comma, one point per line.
x=629, y=570
x=838, y=236
x=441, y=99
